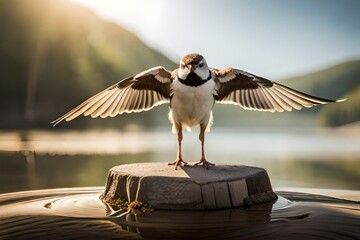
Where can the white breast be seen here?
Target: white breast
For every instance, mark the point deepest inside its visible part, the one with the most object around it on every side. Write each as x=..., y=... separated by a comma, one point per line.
x=191, y=106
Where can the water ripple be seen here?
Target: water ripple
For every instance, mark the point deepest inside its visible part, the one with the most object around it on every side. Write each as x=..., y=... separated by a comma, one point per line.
x=78, y=213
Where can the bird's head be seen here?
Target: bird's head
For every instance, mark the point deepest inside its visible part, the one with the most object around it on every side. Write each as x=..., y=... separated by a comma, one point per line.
x=193, y=63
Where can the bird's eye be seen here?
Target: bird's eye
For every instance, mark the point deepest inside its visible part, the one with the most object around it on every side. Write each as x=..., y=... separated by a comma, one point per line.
x=201, y=65
x=182, y=65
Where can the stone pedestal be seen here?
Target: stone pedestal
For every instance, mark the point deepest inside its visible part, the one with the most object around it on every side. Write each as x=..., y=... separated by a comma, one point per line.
x=188, y=188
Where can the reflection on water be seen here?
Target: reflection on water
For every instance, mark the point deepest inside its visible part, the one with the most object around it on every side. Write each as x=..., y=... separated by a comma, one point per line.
x=77, y=213
x=44, y=159
x=47, y=171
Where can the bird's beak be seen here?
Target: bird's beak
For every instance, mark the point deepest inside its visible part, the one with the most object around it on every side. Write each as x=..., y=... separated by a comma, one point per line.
x=192, y=68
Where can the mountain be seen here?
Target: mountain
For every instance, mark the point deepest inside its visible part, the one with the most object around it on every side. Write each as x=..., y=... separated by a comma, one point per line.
x=332, y=82
x=55, y=54
x=341, y=81
x=347, y=112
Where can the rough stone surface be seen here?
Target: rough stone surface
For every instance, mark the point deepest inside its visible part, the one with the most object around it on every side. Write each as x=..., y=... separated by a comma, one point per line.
x=188, y=188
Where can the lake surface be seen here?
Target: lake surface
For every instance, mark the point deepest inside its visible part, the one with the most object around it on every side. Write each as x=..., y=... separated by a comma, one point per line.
x=51, y=159
x=316, y=175
x=77, y=213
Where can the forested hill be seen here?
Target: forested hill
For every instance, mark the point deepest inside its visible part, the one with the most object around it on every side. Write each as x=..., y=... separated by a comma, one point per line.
x=54, y=54
x=337, y=82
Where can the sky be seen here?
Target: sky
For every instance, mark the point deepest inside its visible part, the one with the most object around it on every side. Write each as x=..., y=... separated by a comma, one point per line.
x=273, y=39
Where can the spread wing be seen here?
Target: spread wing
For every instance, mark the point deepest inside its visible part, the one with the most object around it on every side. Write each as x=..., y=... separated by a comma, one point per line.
x=256, y=93
x=134, y=94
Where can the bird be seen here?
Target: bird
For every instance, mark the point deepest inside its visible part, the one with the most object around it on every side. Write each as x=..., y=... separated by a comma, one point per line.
x=191, y=91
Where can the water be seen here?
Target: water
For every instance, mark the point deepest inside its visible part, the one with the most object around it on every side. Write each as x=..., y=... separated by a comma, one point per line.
x=304, y=167
x=48, y=159
x=77, y=213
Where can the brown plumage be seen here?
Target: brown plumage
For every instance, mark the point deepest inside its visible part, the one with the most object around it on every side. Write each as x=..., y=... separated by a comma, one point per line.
x=135, y=94
x=192, y=59
x=256, y=93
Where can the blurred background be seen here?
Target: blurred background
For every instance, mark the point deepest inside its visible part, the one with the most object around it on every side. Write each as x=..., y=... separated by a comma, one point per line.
x=54, y=54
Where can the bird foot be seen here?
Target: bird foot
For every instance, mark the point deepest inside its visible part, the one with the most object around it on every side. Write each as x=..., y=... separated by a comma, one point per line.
x=205, y=163
x=178, y=162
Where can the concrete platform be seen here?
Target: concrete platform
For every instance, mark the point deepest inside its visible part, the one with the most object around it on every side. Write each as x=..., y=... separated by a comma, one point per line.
x=188, y=188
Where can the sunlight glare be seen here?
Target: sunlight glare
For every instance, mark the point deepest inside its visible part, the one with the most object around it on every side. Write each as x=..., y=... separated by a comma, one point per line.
x=129, y=13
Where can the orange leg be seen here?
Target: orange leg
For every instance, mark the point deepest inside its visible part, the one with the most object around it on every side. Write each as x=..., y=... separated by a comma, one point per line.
x=202, y=139
x=179, y=159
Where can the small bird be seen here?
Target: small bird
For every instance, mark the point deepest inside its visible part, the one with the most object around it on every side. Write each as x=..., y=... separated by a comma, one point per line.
x=191, y=92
